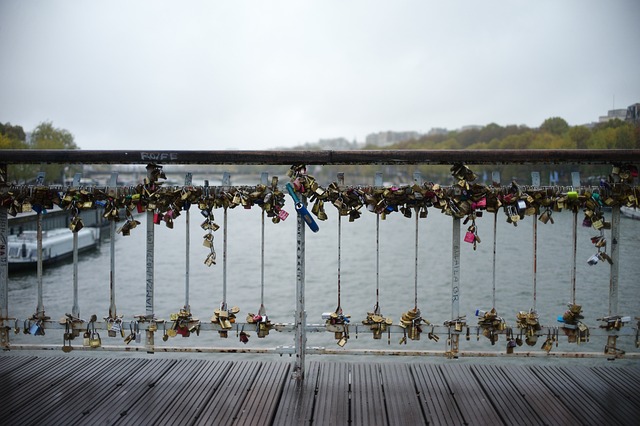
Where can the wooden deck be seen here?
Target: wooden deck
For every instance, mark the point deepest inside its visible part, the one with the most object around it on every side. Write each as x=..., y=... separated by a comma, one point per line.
x=69, y=390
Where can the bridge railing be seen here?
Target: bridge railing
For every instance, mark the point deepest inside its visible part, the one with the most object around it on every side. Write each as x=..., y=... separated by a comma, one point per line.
x=462, y=198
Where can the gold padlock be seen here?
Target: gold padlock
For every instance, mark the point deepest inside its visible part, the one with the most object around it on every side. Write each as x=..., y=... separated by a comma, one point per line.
x=95, y=341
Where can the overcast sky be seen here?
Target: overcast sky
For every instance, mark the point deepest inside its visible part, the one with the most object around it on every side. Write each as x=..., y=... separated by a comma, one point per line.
x=263, y=74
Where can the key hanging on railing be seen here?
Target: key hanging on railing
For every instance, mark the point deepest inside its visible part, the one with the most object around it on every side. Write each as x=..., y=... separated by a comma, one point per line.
x=575, y=330
x=261, y=320
x=337, y=321
x=375, y=320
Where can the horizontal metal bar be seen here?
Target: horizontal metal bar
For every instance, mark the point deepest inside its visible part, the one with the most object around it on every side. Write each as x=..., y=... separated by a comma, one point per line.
x=318, y=350
x=288, y=157
x=627, y=330
x=468, y=354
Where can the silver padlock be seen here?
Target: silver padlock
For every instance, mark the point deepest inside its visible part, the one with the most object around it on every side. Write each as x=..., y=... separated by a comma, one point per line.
x=138, y=336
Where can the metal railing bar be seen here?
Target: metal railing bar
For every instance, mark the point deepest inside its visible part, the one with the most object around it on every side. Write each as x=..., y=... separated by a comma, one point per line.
x=288, y=157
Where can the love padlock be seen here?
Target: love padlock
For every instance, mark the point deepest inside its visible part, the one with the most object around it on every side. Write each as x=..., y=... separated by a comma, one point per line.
x=95, y=341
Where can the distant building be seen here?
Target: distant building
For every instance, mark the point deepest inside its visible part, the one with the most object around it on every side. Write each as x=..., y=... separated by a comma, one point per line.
x=438, y=131
x=382, y=139
x=633, y=113
x=335, y=144
x=613, y=114
x=470, y=127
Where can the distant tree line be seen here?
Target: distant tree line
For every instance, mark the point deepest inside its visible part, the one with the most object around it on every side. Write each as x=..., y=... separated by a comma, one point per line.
x=554, y=133
x=44, y=136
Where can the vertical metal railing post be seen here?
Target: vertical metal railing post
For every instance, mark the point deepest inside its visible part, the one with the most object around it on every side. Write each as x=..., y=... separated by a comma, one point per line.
x=495, y=178
x=575, y=181
x=377, y=182
x=264, y=180
x=75, y=309
x=417, y=178
x=535, y=182
x=455, y=268
x=4, y=267
x=112, y=190
x=615, y=258
x=188, y=181
x=40, y=306
x=226, y=183
x=150, y=274
x=301, y=314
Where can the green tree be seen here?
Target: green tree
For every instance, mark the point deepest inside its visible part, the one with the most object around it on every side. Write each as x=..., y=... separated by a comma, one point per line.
x=13, y=132
x=555, y=126
x=625, y=137
x=579, y=135
x=44, y=136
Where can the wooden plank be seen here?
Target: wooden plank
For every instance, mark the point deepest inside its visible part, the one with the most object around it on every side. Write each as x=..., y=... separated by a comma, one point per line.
x=30, y=382
x=475, y=405
x=225, y=405
x=588, y=410
x=49, y=396
x=332, y=395
x=11, y=363
x=126, y=395
x=629, y=377
x=504, y=395
x=262, y=400
x=202, y=386
x=618, y=409
x=625, y=384
x=435, y=396
x=94, y=387
x=543, y=401
x=367, y=406
x=401, y=397
x=157, y=402
x=296, y=404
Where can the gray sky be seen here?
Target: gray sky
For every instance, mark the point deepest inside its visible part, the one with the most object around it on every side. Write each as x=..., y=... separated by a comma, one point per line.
x=262, y=74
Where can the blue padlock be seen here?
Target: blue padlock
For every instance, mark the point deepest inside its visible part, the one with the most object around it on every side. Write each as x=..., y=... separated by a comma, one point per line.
x=34, y=329
x=302, y=210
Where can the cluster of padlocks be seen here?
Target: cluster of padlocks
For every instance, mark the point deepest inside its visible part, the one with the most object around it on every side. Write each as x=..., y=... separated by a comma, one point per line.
x=463, y=200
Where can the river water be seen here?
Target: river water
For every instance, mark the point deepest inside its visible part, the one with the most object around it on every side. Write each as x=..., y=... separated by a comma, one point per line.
x=514, y=281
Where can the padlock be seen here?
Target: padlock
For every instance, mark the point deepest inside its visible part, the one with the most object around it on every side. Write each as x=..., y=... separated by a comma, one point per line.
x=35, y=328
x=593, y=259
x=86, y=339
x=469, y=237
x=95, y=341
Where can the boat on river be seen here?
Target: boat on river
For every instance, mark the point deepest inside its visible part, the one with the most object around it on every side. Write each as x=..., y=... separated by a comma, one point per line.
x=57, y=244
x=630, y=212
